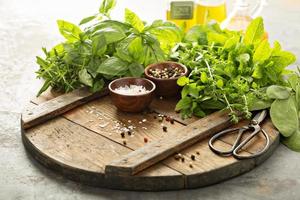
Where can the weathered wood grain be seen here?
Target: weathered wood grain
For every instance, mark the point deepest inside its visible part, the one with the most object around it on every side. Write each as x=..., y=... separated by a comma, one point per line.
x=168, y=174
x=162, y=148
x=57, y=106
x=81, y=155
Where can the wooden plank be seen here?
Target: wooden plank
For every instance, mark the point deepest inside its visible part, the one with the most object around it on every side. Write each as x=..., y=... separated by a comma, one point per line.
x=162, y=148
x=208, y=168
x=57, y=106
x=103, y=118
x=81, y=155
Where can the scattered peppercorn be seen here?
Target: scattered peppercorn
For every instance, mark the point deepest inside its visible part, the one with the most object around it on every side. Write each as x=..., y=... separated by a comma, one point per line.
x=193, y=157
x=129, y=132
x=182, y=159
x=160, y=118
x=191, y=165
x=197, y=152
x=172, y=121
x=145, y=140
x=124, y=142
x=177, y=157
x=123, y=135
x=165, y=129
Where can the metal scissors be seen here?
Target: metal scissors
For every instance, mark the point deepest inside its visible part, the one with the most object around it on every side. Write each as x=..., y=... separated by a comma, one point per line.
x=238, y=144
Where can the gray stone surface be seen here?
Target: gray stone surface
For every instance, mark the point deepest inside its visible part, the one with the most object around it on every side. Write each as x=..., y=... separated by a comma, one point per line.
x=27, y=25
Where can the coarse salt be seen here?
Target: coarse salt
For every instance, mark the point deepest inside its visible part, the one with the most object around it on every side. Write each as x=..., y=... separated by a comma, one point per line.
x=131, y=90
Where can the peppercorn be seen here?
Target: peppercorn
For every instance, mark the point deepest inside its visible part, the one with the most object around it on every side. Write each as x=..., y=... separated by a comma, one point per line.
x=129, y=132
x=145, y=139
x=172, y=121
x=123, y=135
x=165, y=129
x=193, y=157
x=160, y=118
x=182, y=159
x=197, y=152
x=191, y=165
x=177, y=157
x=124, y=142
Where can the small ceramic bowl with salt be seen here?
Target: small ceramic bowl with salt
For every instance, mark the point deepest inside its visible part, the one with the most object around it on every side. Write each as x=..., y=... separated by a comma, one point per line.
x=131, y=94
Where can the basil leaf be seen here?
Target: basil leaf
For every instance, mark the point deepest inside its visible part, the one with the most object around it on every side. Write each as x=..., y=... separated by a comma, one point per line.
x=70, y=31
x=134, y=20
x=98, y=85
x=87, y=19
x=111, y=34
x=160, y=29
x=85, y=77
x=136, y=69
x=284, y=116
x=106, y=7
x=278, y=92
x=137, y=50
x=254, y=32
x=99, y=45
x=197, y=33
x=113, y=66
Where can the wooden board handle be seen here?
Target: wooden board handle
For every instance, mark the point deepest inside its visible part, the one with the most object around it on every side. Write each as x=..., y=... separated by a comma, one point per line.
x=57, y=106
x=152, y=153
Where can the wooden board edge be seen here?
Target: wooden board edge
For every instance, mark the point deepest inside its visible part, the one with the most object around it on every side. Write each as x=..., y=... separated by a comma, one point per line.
x=55, y=107
x=230, y=171
x=98, y=179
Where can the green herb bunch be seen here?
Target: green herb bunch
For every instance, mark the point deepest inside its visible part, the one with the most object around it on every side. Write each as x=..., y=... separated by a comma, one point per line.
x=106, y=49
x=229, y=70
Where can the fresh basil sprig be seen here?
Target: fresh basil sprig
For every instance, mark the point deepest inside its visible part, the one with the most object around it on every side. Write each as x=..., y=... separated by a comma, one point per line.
x=104, y=50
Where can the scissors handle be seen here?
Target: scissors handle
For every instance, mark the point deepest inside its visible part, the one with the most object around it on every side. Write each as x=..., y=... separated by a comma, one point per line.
x=237, y=146
x=222, y=133
x=236, y=154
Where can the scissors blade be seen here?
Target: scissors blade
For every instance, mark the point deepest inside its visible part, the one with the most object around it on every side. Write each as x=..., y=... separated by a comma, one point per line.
x=259, y=117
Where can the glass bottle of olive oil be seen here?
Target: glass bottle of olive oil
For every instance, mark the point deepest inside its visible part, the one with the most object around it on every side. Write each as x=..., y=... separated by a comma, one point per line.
x=208, y=10
x=182, y=12
x=187, y=13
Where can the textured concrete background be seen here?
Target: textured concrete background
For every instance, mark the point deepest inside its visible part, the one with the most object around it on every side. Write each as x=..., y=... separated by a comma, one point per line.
x=27, y=25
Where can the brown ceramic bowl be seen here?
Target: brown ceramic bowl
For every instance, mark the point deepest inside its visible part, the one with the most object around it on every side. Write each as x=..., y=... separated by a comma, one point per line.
x=131, y=103
x=166, y=87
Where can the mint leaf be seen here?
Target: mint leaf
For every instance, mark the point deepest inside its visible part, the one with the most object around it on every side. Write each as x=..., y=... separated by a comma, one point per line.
x=134, y=20
x=184, y=103
x=182, y=81
x=262, y=52
x=255, y=31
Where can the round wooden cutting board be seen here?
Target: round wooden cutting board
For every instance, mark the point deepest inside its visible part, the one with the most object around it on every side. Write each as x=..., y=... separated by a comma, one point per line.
x=81, y=142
